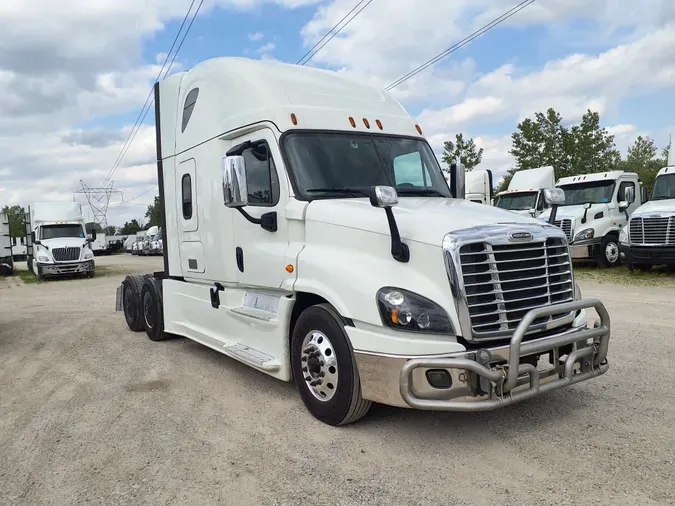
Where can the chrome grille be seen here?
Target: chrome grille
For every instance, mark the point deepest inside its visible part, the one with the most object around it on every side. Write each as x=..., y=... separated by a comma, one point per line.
x=652, y=230
x=503, y=282
x=66, y=254
x=566, y=225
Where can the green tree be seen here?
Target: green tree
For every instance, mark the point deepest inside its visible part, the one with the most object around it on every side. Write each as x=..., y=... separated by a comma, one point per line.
x=110, y=230
x=16, y=216
x=153, y=214
x=589, y=147
x=642, y=158
x=462, y=151
x=131, y=227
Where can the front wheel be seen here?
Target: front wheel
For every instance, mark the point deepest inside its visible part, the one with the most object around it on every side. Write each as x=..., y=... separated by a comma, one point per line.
x=608, y=256
x=324, y=367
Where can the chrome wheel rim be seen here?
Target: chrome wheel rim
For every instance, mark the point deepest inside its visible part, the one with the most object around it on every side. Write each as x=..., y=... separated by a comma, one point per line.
x=319, y=365
x=612, y=252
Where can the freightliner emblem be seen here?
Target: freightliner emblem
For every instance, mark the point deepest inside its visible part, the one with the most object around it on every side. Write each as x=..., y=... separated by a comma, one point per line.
x=520, y=236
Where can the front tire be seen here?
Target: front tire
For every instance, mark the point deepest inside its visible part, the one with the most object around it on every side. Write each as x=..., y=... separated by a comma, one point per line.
x=324, y=367
x=608, y=255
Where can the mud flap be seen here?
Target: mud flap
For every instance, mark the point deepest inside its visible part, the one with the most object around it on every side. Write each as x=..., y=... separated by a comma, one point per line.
x=118, y=299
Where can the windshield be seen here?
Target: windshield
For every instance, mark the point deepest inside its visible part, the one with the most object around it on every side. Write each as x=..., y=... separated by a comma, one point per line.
x=58, y=231
x=664, y=187
x=596, y=192
x=522, y=201
x=348, y=164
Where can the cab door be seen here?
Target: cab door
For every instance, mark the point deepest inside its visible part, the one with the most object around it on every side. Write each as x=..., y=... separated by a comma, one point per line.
x=260, y=253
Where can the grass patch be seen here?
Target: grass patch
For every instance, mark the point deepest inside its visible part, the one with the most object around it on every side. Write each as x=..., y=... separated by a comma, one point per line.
x=657, y=276
x=100, y=272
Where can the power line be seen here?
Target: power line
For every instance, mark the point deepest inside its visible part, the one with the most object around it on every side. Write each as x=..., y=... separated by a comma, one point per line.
x=318, y=48
x=149, y=100
x=462, y=43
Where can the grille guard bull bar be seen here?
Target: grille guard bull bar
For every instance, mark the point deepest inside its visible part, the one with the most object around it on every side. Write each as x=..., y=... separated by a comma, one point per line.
x=504, y=378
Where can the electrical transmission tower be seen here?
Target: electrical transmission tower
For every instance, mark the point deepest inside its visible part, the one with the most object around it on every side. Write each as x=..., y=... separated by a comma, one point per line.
x=98, y=199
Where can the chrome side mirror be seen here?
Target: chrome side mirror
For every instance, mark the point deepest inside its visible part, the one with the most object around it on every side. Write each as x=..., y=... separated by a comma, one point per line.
x=235, y=189
x=554, y=196
x=629, y=194
x=587, y=206
x=532, y=211
x=383, y=196
x=458, y=180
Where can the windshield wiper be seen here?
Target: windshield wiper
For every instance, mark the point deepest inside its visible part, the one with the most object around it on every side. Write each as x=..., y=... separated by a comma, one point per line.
x=350, y=191
x=423, y=191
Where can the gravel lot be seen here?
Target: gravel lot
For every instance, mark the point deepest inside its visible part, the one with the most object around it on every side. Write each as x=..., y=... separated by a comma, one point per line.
x=93, y=413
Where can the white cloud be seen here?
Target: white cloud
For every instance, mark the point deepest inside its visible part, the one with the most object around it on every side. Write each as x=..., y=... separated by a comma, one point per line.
x=255, y=37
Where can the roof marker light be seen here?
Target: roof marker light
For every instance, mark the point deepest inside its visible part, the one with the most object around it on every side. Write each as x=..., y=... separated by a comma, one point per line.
x=352, y=122
x=378, y=123
x=294, y=118
x=366, y=122
x=419, y=129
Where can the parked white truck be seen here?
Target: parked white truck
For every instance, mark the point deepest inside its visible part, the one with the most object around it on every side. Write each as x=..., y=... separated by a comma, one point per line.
x=525, y=195
x=299, y=240
x=649, y=238
x=596, y=210
x=57, y=240
x=6, y=254
x=479, y=187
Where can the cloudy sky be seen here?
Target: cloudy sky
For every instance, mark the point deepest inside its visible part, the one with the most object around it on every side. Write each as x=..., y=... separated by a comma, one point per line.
x=75, y=73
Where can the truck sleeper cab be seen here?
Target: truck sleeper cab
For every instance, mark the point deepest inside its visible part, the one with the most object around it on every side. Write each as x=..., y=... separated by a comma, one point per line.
x=309, y=232
x=479, y=187
x=649, y=238
x=596, y=209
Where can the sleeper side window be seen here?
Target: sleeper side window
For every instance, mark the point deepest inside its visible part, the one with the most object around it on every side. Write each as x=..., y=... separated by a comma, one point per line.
x=261, y=175
x=186, y=185
x=188, y=107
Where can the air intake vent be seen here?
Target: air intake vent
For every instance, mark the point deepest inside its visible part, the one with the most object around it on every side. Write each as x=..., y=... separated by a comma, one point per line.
x=566, y=225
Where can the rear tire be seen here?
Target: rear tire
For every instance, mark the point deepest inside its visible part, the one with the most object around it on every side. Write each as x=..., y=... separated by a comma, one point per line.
x=608, y=256
x=131, y=301
x=152, y=310
x=320, y=350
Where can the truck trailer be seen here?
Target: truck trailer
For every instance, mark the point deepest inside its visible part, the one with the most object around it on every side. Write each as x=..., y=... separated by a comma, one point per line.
x=309, y=233
x=6, y=254
x=57, y=240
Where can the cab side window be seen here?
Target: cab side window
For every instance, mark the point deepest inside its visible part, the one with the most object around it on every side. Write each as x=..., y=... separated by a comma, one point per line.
x=261, y=175
x=622, y=190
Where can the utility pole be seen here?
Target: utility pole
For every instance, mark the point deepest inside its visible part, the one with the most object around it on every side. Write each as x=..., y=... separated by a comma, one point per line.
x=98, y=199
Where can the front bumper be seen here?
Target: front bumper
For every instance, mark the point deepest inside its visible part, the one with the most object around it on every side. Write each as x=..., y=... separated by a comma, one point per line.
x=654, y=255
x=584, y=250
x=506, y=376
x=66, y=268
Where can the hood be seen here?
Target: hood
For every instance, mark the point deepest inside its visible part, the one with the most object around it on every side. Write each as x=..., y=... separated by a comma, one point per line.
x=425, y=220
x=64, y=242
x=576, y=212
x=656, y=206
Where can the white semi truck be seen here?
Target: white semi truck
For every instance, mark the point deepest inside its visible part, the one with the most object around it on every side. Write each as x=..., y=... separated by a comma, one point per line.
x=479, y=187
x=649, y=238
x=6, y=254
x=597, y=208
x=299, y=240
x=525, y=194
x=57, y=240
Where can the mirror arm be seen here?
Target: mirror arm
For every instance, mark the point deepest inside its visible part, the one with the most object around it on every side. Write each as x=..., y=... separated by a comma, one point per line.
x=583, y=218
x=399, y=250
x=554, y=211
x=267, y=221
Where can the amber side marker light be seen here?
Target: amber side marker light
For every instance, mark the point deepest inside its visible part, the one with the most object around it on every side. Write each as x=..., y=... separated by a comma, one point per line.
x=294, y=118
x=289, y=268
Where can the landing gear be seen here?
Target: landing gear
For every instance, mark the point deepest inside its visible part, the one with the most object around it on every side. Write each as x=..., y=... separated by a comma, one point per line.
x=324, y=367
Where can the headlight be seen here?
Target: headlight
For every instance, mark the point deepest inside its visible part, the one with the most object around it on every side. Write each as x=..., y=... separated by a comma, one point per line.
x=404, y=310
x=88, y=255
x=587, y=233
x=623, y=235
x=42, y=258
x=577, y=292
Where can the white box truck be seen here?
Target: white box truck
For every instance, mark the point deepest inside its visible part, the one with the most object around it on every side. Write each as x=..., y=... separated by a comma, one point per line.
x=649, y=238
x=479, y=186
x=57, y=240
x=6, y=254
x=525, y=194
x=299, y=241
x=596, y=209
